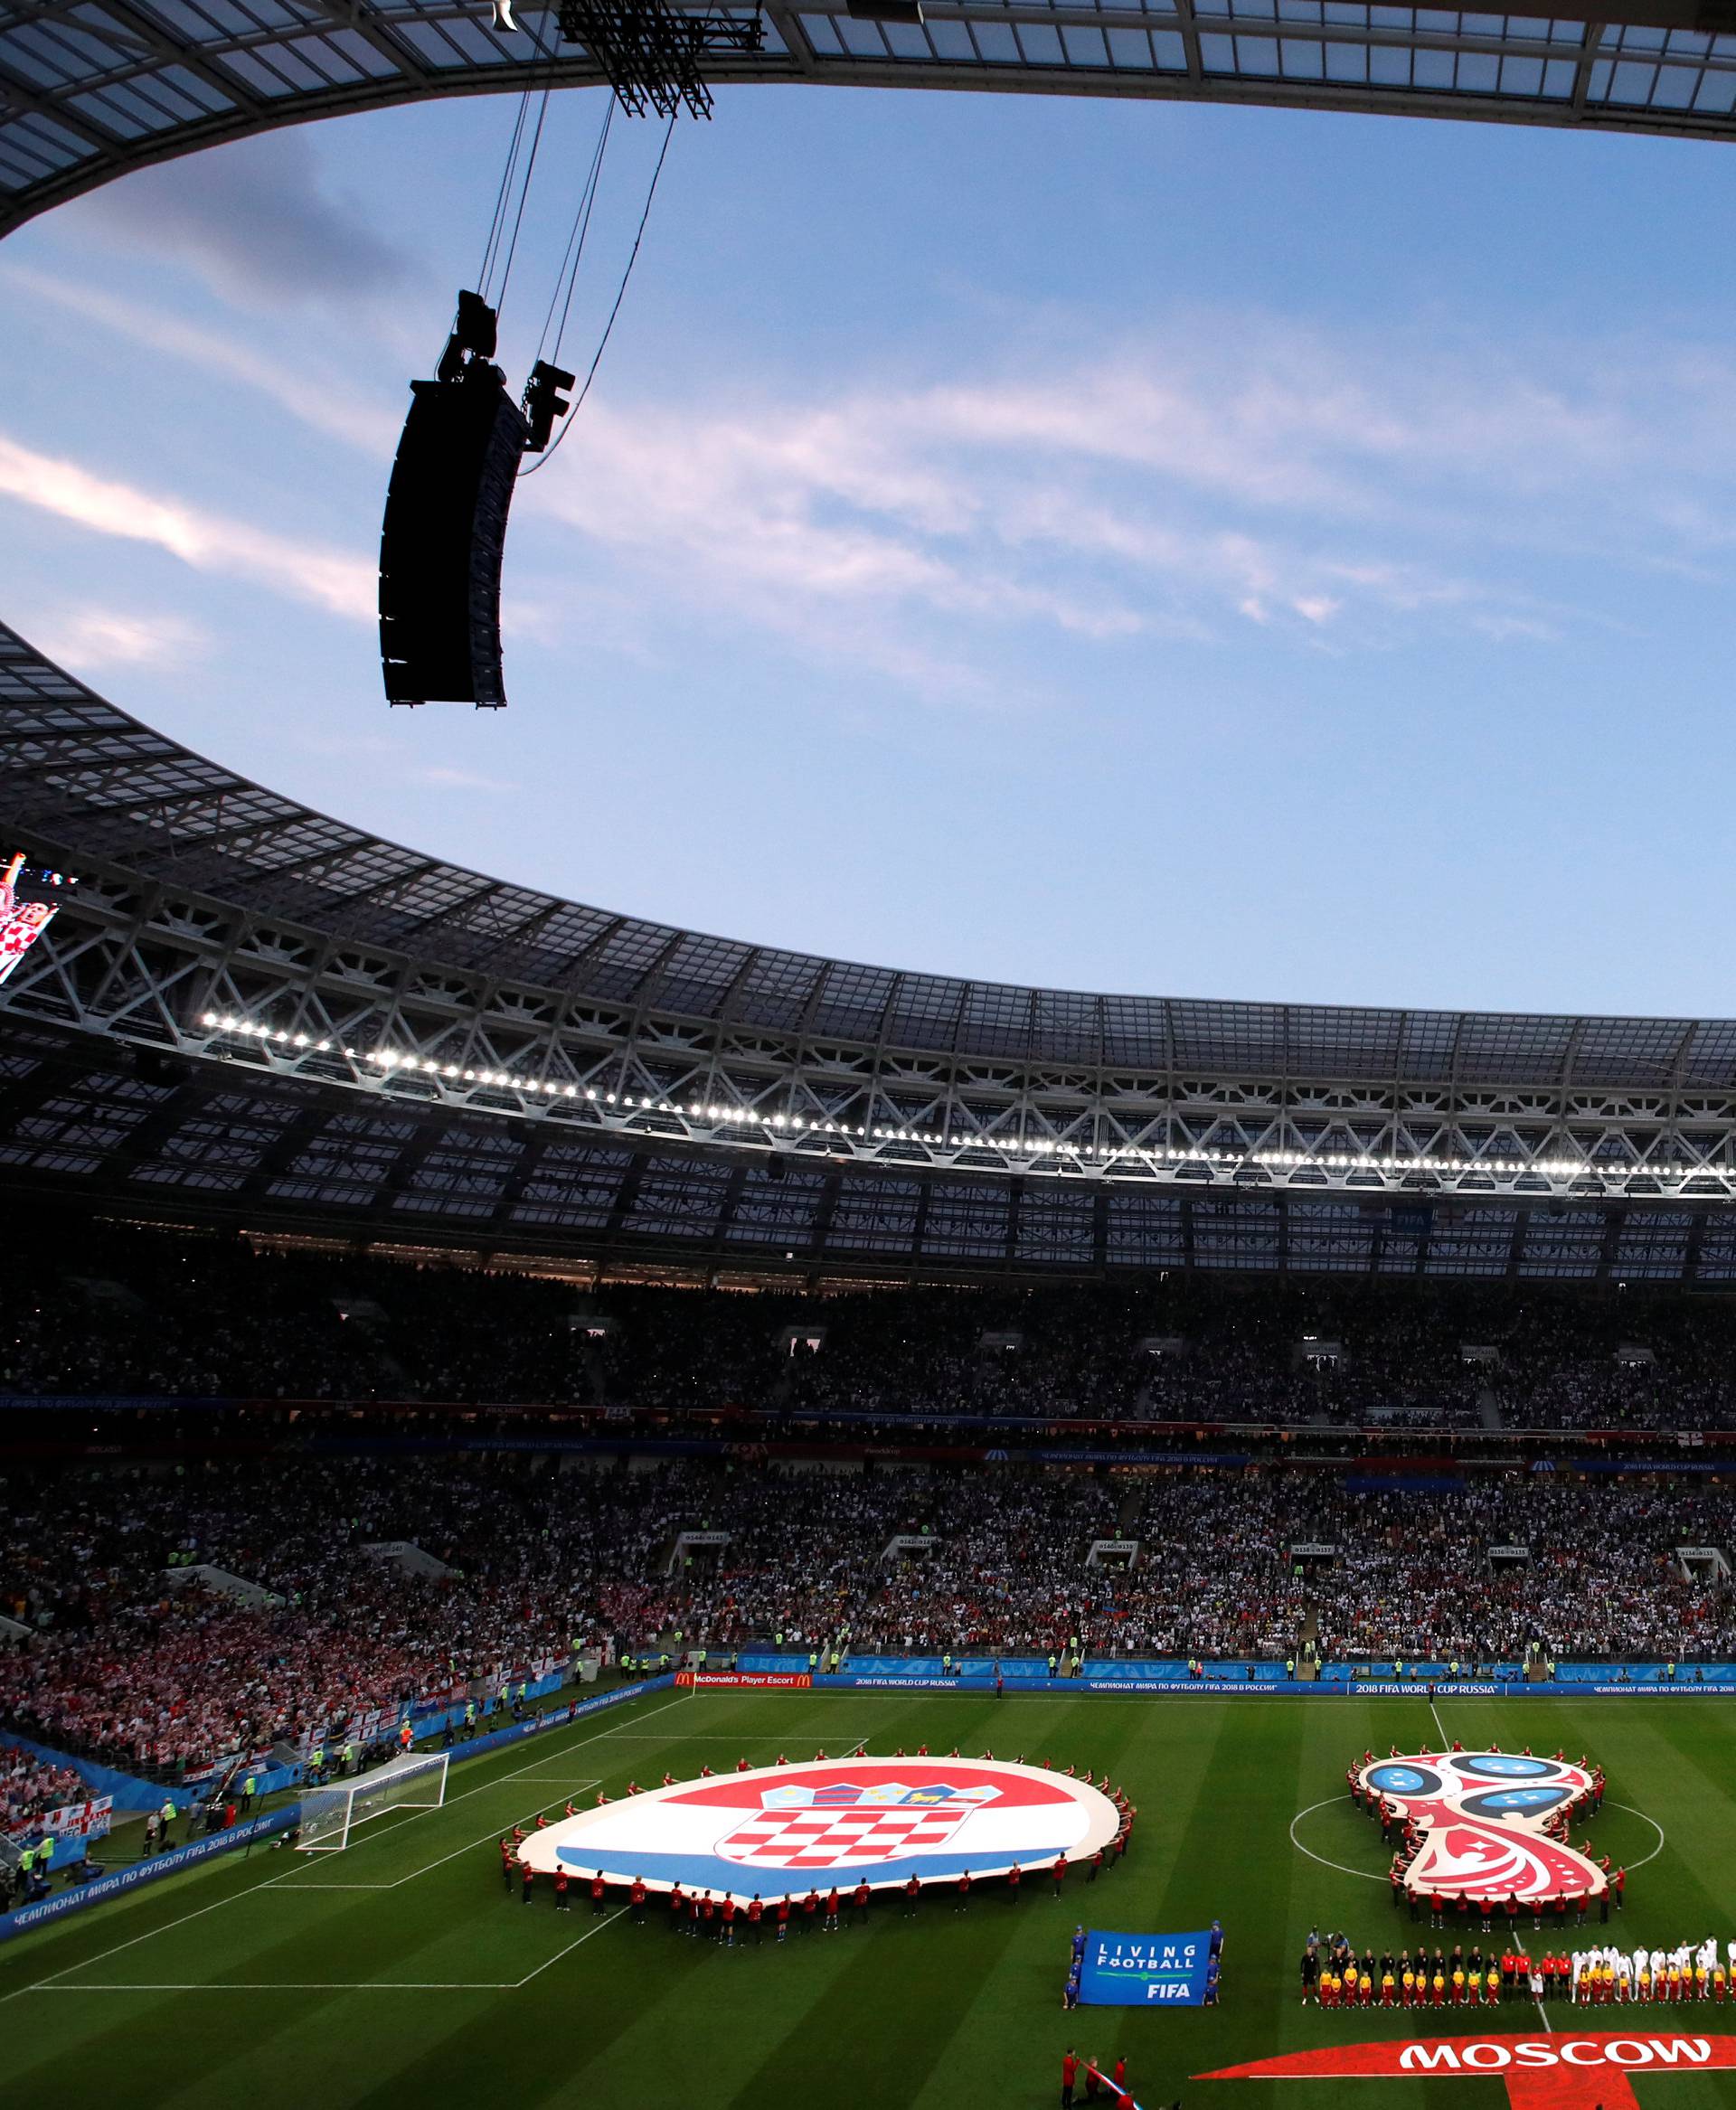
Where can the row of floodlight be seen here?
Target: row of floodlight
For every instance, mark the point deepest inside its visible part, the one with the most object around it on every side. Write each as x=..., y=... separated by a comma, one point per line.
x=389, y=1059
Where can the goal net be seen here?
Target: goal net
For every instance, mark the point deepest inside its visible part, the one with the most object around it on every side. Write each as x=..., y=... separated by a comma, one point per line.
x=329, y=1814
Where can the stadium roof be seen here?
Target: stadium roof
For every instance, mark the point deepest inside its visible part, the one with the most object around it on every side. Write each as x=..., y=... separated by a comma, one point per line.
x=78, y=772
x=91, y=87
x=253, y=1014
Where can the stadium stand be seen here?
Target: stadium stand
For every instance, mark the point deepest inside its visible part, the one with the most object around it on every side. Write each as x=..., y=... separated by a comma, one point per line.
x=213, y=1317
x=540, y=1561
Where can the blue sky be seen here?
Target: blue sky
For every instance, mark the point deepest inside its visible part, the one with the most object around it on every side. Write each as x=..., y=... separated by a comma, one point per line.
x=1200, y=551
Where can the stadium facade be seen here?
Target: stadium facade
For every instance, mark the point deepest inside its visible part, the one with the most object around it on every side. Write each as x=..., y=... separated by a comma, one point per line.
x=249, y=1014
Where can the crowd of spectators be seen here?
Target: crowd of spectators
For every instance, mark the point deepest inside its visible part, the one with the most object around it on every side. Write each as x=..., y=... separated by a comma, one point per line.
x=145, y=1655
x=140, y=1314
x=233, y=1594
x=30, y=1786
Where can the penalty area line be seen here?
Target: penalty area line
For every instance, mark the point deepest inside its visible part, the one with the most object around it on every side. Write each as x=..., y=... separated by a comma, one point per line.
x=271, y=1882
x=578, y=1942
x=296, y=1985
x=469, y=1846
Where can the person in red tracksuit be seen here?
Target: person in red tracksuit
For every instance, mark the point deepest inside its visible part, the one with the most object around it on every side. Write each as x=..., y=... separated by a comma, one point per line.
x=963, y=1892
x=707, y=1916
x=597, y=1889
x=506, y=1865
x=560, y=1904
x=860, y=1899
x=1060, y=1872
x=831, y=1911
x=1118, y=2076
x=1015, y=1877
x=810, y=1910
x=756, y=1913
x=783, y=1917
x=730, y=1909
x=637, y=1894
x=1069, y=2074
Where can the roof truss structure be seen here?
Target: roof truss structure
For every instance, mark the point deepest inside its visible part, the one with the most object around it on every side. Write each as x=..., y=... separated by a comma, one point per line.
x=87, y=1120
x=89, y=88
x=237, y=933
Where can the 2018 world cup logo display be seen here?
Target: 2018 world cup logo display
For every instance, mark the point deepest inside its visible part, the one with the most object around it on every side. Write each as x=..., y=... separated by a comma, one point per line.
x=781, y=1831
x=1493, y=1823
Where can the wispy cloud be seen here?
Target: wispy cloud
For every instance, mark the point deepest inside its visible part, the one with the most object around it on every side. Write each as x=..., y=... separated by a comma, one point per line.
x=256, y=221
x=1219, y=470
x=1211, y=473
x=87, y=638
x=311, y=389
x=341, y=584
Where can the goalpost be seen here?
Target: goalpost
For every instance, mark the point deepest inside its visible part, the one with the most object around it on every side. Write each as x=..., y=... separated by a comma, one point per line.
x=329, y=1814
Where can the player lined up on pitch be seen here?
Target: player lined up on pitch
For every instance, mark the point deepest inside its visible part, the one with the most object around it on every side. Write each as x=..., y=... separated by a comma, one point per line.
x=733, y=1920
x=1334, y=1976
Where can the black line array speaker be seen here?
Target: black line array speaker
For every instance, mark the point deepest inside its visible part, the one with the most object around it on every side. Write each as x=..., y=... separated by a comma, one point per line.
x=444, y=536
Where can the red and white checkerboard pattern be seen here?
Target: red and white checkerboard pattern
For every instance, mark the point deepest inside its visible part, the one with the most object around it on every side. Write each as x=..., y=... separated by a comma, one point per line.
x=831, y=1839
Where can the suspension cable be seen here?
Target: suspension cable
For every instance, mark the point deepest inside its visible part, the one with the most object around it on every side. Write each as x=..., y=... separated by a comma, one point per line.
x=568, y=274
x=620, y=295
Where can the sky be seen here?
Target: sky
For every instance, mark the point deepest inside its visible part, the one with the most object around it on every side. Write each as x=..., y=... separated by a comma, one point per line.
x=1197, y=551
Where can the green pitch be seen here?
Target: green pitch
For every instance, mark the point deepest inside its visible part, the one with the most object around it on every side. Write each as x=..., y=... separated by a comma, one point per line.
x=399, y=1973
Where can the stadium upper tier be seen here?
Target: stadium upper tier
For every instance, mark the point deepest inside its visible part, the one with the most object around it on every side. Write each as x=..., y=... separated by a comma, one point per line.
x=89, y=88
x=246, y=1005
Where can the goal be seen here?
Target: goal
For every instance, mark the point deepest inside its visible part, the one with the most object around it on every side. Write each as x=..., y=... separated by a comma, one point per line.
x=329, y=1814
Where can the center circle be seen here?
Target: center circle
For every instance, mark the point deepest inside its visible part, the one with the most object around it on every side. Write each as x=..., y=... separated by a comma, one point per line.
x=1326, y=1860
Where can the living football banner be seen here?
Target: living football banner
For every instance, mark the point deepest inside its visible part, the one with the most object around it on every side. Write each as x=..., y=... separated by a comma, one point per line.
x=1144, y=1970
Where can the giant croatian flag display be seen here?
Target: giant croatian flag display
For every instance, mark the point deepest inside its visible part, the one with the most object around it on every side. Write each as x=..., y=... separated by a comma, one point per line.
x=1486, y=1816
x=781, y=1831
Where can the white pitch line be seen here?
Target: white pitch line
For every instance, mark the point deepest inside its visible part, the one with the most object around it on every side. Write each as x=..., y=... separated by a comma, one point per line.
x=1439, y=1731
x=494, y=1831
x=1643, y=1820
x=469, y=1846
x=271, y=1882
x=570, y=1946
x=1361, y=1873
x=43, y=1985
x=289, y=1986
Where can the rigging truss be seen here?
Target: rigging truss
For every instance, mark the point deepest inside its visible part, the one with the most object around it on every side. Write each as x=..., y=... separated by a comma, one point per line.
x=652, y=54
